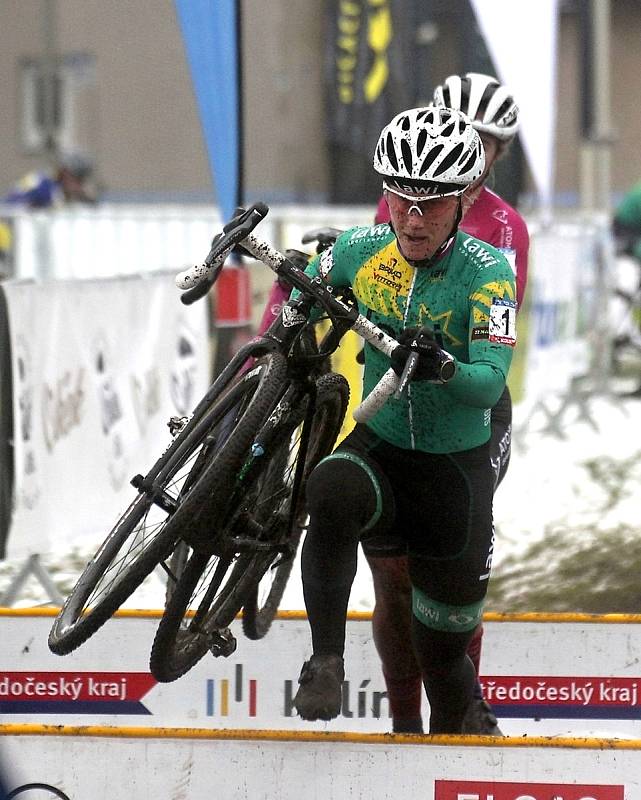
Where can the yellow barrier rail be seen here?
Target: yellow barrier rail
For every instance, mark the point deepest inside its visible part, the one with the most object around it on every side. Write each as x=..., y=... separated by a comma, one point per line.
x=489, y=616
x=139, y=732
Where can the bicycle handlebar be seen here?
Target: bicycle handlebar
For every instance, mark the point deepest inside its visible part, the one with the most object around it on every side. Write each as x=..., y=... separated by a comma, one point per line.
x=198, y=280
x=238, y=229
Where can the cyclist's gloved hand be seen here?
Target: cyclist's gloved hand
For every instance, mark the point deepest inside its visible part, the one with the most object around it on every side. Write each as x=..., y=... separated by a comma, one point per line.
x=435, y=364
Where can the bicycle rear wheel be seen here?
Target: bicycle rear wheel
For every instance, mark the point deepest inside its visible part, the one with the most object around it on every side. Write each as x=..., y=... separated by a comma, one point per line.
x=265, y=594
x=259, y=529
x=145, y=535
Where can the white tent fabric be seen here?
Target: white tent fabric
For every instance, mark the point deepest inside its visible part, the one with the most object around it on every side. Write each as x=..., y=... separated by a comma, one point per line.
x=521, y=37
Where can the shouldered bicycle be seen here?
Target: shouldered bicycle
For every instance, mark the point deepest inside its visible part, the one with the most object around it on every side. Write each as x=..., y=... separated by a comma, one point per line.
x=228, y=491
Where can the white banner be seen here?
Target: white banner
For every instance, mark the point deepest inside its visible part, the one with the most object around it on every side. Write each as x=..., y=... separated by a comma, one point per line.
x=522, y=40
x=566, y=307
x=172, y=768
x=542, y=678
x=98, y=369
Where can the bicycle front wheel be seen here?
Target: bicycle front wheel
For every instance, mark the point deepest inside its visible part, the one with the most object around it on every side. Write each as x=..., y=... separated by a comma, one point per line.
x=145, y=535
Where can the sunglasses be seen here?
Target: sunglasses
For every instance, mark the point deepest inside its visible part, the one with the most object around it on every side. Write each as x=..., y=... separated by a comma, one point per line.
x=409, y=202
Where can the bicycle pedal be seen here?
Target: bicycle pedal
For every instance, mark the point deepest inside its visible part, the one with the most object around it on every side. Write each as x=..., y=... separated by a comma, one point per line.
x=222, y=643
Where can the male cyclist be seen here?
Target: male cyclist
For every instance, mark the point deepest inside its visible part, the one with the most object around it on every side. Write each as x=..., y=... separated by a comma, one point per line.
x=419, y=470
x=494, y=115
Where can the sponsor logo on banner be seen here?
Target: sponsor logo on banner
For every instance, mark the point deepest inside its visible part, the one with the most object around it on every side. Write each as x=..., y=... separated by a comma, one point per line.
x=232, y=697
x=74, y=692
x=62, y=406
x=220, y=694
x=29, y=486
x=563, y=697
x=183, y=374
x=359, y=700
x=111, y=413
x=146, y=395
x=499, y=790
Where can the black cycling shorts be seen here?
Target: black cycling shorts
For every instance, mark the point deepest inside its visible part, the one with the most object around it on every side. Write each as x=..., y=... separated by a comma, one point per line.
x=436, y=508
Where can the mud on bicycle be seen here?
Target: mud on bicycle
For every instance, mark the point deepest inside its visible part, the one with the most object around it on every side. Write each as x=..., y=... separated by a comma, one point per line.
x=225, y=500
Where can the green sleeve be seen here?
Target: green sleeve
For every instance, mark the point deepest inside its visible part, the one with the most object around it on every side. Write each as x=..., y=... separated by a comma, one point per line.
x=481, y=381
x=479, y=384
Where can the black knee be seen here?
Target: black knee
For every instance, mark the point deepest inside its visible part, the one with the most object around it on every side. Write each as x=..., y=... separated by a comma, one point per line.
x=340, y=490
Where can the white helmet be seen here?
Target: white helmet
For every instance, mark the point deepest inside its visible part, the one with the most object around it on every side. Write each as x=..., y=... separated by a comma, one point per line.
x=486, y=102
x=430, y=151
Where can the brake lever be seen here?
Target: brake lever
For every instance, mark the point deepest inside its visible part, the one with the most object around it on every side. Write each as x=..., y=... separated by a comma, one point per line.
x=408, y=373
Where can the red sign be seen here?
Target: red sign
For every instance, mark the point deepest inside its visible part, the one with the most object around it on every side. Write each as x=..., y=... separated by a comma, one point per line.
x=499, y=790
x=233, y=297
x=77, y=686
x=558, y=691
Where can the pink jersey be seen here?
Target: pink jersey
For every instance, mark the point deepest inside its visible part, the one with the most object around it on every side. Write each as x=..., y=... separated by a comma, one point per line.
x=494, y=221
x=278, y=296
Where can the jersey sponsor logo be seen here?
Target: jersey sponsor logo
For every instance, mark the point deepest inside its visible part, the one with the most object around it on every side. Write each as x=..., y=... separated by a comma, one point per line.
x=436, y=275
x=383, y=282
x=387, y=281
x=326, y=263
x=507, y=790
x=382, y=229
x=389, y=274
x=488, y=561
x=476, y=248
x=502, y=327
x=500, y=214
x=440, y=322
x=480, y=332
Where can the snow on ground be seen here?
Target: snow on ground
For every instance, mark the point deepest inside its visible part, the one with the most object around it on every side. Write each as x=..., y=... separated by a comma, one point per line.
x=548, y=483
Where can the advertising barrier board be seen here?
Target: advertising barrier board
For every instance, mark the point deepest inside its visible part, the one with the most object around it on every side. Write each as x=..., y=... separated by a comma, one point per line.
x=98, y=368
x=171, y=767
x=542, y=678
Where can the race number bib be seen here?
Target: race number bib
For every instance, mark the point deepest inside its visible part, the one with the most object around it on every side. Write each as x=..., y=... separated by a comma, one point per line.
x=503, y=321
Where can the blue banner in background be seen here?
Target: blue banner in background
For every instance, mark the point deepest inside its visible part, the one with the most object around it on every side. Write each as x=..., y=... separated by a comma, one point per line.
x=210, y=33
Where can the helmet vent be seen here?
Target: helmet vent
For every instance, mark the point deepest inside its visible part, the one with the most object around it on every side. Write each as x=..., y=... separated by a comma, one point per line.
x=468, y=164
x=391, y=151
x=450, y=159
x=448, y=130
x=406, y=151
x=430, y=158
